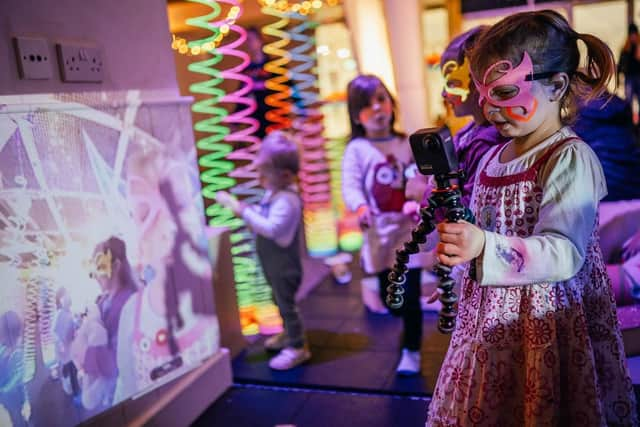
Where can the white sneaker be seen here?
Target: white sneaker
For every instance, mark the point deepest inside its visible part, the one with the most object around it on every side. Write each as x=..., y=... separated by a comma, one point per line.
x=343, y=278
x=276, y=342
x=289, y=358
x=340, y=267
x=409, y=363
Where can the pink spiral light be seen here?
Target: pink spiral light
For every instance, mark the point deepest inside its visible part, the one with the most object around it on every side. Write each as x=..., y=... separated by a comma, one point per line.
x=245, y=144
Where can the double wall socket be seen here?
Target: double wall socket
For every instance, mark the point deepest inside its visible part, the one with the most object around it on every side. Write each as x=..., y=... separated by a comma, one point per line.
x=34, y=59
x=80, y=63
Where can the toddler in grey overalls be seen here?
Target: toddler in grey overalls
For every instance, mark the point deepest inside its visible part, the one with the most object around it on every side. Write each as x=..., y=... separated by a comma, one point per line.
x=276, y=223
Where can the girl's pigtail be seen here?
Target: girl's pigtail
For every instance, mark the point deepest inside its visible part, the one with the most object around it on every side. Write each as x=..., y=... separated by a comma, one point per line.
x=600, y=68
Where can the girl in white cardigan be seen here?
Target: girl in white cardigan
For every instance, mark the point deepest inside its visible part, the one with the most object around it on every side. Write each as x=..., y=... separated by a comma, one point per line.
x=373, y=185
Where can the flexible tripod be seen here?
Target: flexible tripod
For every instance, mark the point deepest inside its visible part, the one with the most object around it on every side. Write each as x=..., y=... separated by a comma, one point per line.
x=447, y=196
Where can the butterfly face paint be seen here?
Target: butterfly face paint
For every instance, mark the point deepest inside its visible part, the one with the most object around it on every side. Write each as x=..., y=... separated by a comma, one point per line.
x=101, y=265
x=512, y=89
x=457, y=80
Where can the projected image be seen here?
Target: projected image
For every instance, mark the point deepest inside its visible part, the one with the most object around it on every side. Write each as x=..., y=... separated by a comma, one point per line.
x=106, y=281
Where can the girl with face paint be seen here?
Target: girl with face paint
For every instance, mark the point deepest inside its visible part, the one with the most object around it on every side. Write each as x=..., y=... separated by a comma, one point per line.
x=373, y=185
x=476, y=138
x=537, y=339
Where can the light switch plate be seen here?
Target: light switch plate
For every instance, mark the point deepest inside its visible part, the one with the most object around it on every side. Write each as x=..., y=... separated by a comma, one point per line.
x=80, y=63
x=33, y=57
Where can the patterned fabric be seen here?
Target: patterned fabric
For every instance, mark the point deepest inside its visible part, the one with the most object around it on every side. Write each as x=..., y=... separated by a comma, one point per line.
x=548, y=354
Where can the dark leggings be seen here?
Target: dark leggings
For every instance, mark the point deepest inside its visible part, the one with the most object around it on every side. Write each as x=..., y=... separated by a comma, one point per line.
x=411, y=311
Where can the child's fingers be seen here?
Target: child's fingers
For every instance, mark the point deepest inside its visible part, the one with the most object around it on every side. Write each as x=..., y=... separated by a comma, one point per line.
x=448, y=248
x=449, y=260
x=451, y=227
x=455, y=239
x=433, y=297
x=449, y=254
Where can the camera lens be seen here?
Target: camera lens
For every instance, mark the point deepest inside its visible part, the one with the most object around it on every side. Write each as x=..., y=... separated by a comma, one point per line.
x=432, y=143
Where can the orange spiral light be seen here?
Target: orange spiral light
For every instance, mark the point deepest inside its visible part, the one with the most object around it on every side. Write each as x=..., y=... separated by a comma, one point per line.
x=279, y=101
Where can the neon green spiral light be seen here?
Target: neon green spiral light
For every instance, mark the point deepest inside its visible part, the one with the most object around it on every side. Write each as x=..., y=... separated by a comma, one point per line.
x=214, y=149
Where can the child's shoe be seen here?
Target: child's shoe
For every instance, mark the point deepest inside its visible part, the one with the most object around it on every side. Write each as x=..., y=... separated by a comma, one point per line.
x=276, y=342
x=340, y=267
x=409, y=363
x=289, y=358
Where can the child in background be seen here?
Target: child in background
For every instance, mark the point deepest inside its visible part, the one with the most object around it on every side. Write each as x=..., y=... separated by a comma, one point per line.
x=537, y=340
x=476, y=138
x=629, y=65
x=472, y=141
x=373, y=185
x=276, y=222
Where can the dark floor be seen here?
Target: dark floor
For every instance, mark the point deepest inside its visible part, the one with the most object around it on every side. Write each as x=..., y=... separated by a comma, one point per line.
x=262, y=406
x=353, y=349
x=350, y=380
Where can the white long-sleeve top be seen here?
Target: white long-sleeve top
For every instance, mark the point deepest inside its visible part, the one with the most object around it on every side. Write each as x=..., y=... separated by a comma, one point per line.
x=277, y=216
x=373, y=175
x=359, y=169
x=573, y=184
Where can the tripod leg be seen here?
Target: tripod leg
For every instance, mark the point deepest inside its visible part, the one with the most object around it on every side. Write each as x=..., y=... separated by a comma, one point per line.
x=397, y=277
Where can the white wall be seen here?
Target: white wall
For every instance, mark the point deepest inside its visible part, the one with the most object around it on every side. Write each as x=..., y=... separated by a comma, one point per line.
x=368, y=25
x=134, y=36
x=405, y=39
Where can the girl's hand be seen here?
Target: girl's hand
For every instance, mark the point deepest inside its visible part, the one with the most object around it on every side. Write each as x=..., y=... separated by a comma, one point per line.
x=411, y=208
x=364, y=216
x=417, y=186
x=433, y=297
x=230, y=202
x=459, y=242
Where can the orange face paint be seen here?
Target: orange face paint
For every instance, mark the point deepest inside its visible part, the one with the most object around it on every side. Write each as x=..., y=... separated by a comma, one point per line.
x=509, y=112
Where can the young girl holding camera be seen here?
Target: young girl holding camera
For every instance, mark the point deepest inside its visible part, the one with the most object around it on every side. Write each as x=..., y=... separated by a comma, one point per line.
x=537, y=339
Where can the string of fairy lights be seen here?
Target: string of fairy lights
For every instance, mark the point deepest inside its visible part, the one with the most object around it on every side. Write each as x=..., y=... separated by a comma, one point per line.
x=181, y=45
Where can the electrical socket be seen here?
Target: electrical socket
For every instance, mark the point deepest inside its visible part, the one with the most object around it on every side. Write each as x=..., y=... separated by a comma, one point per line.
x=34, y=60
x=80, y=63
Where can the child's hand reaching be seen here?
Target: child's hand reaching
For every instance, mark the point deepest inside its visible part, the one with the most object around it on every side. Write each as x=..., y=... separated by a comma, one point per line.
x=418, y=186
x=459, y=242
x=364, y=216
x=411, y=208
x=230, y=202
x=433, y=297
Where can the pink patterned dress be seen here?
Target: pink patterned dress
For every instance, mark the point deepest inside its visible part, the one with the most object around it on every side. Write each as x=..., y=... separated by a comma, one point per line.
x=537, y=341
